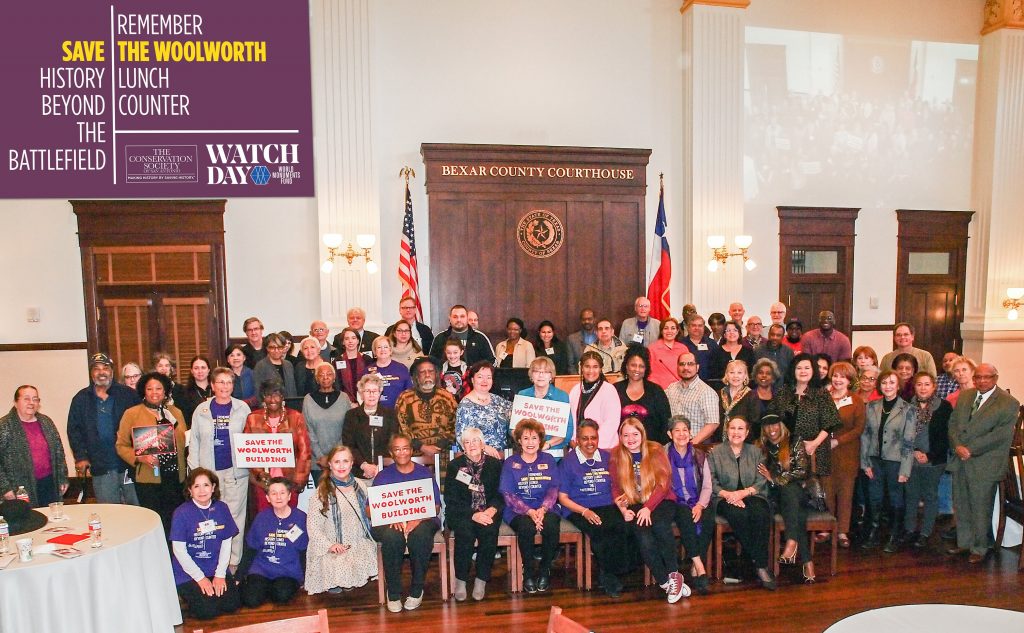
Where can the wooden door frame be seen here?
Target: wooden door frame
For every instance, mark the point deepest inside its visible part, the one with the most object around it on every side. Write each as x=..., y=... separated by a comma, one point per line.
x=152, y=223
x=923, y=230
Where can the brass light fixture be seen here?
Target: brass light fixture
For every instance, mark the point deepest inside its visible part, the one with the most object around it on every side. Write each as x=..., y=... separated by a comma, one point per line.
x=333, y=242
x=720, y=254
x=1014, y=302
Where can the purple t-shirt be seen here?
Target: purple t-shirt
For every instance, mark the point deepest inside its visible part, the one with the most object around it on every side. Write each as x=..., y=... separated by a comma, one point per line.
x=278, y=544
x=589, y=483
x=396, y=380
x=39, y=448
x=390, y=475
x=221, y=414
x=529, y=482
x=202, y=540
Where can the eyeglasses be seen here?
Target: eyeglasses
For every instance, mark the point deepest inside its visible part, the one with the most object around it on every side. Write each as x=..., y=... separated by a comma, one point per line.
x=687, y=364
x=274, y=347
x=132, y=376
x=30, y=399
x=224, y=382
x=319, y=329
x=403, y=331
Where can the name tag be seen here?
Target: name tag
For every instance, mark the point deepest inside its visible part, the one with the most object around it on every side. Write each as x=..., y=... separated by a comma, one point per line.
x=702, y=347
x=293, y=534
x=542, y=466
x=464, y=477
x=377, y=420
x=339, y=364
x=207, y=527
x=848, y=400
x=638, y=337
x=549, y=350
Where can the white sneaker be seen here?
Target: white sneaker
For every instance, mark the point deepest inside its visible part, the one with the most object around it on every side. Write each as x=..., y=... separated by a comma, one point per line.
x=413, y=603
x=395, y=606
x=676, y=588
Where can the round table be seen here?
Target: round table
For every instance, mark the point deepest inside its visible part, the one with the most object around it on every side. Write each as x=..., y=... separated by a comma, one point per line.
x=126, y=585
x=934, y=618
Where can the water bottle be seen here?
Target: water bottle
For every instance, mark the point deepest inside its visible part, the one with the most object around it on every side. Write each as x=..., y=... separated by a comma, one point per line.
x=5, y=535
x=95, y=530
x=22, y=494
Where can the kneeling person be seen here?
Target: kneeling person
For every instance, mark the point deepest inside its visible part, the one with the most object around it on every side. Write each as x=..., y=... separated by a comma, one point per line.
x=274, y=559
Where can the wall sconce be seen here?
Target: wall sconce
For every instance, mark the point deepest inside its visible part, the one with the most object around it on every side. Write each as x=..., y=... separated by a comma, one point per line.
x=333, y=243
x=720, y=254
x=1014, y=302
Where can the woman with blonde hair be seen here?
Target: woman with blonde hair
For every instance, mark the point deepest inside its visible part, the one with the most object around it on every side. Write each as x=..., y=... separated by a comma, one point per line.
x=642, y=489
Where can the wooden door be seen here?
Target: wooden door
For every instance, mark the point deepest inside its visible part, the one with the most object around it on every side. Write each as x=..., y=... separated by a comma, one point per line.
x=931, y=275
x=816, y=263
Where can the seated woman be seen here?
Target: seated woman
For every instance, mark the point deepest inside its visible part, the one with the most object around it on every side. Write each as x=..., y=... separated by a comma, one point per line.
x=368, y=427
x=201, y=533
x=515, y=351
x=197, y=390
x=350, y=363
x=305, y=366
x=665, y=352
x=740, y=495
x=642, y=489
x=324, y=410
x=473, y=506
x=928, y=431
x=31, y=452
x=737, y=399
x=243, y=388
x=157, y=477
x=786, y=466
x=417, y=536
x=691, y=483
x=275, y=417
x=641, y=398
x=484, y=410
x=596, y=398
x=886, y=458
x=549, y=345
x=342, y=554
x=585, y=498
x=404, y=347
x=394, y=374
x=542, y=374
x=276, y=366
x=529, y=483
x=275, y=550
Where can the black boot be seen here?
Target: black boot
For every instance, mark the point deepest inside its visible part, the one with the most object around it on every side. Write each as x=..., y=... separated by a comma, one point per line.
x=871, y=535
x=895, y=534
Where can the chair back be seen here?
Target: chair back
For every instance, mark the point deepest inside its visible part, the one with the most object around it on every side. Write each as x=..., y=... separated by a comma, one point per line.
x=304, y=624
x=558, y=623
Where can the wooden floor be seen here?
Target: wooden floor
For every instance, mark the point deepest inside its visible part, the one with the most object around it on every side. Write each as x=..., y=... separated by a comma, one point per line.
x=866, y=580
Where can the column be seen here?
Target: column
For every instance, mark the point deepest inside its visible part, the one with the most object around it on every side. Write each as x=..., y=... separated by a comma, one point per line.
x=713, y=147
x=346, y=179
x=997, y=233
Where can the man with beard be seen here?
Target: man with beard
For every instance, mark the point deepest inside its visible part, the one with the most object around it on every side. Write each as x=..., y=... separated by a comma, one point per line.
x=426, y=413
x=774, y=350
x=92, y=430
x=691, y=398
x=475, y=344
x=580, y=339
x=794, y=334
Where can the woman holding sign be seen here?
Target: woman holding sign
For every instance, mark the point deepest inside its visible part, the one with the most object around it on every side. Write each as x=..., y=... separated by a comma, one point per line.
x=473, y=511
x=274, y=417
x=542, y=373
x=151, y=438
x=395, y=536
x=529, y=483
x=214, y=425
x=342, y=554
x=484, y=410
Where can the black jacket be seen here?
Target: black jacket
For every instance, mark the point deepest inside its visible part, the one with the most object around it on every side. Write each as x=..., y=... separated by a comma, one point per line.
x=477, y=347
x=83, y=436
x=458, y=498
x=367, y=442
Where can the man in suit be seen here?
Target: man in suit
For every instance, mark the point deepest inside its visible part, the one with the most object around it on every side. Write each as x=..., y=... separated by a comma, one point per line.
x=356, y=320
x=980, y=432
x=578, y=340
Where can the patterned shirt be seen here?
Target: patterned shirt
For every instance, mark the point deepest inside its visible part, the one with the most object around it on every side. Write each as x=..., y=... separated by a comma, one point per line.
x=492, y=420
x=698, y=402
x=429, y=420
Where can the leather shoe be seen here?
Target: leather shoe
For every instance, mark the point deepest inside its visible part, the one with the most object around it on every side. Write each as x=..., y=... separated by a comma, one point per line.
x=974, y=559
x=544, y=581
x=953, y=551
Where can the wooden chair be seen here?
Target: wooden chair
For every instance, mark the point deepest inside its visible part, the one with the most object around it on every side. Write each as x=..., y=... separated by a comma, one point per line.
x=440, y=543
x=816, y=522
x=304, y=624
x=1011, y=500
x=722, y=528
x=568, y=534
x=506, y=540
x=558, y=623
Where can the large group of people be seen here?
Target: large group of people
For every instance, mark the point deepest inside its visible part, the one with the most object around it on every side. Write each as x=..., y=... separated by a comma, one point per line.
x=671, y=426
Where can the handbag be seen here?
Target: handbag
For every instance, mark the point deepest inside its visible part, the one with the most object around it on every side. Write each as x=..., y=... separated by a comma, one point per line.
x=814, y=490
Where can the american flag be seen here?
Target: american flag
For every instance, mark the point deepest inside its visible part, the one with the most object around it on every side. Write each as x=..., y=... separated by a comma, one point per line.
x=407, y=269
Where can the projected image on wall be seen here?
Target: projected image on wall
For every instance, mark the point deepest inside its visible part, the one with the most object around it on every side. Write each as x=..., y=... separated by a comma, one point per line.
x=828, y=112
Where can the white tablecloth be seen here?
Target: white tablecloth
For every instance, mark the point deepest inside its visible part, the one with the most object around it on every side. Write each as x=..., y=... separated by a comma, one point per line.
x=126, y=585
x=933, y=618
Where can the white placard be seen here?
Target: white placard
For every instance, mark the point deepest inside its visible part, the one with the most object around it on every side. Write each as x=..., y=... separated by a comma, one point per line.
x=264, y=450
x=402, y=501
x=550, y=413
